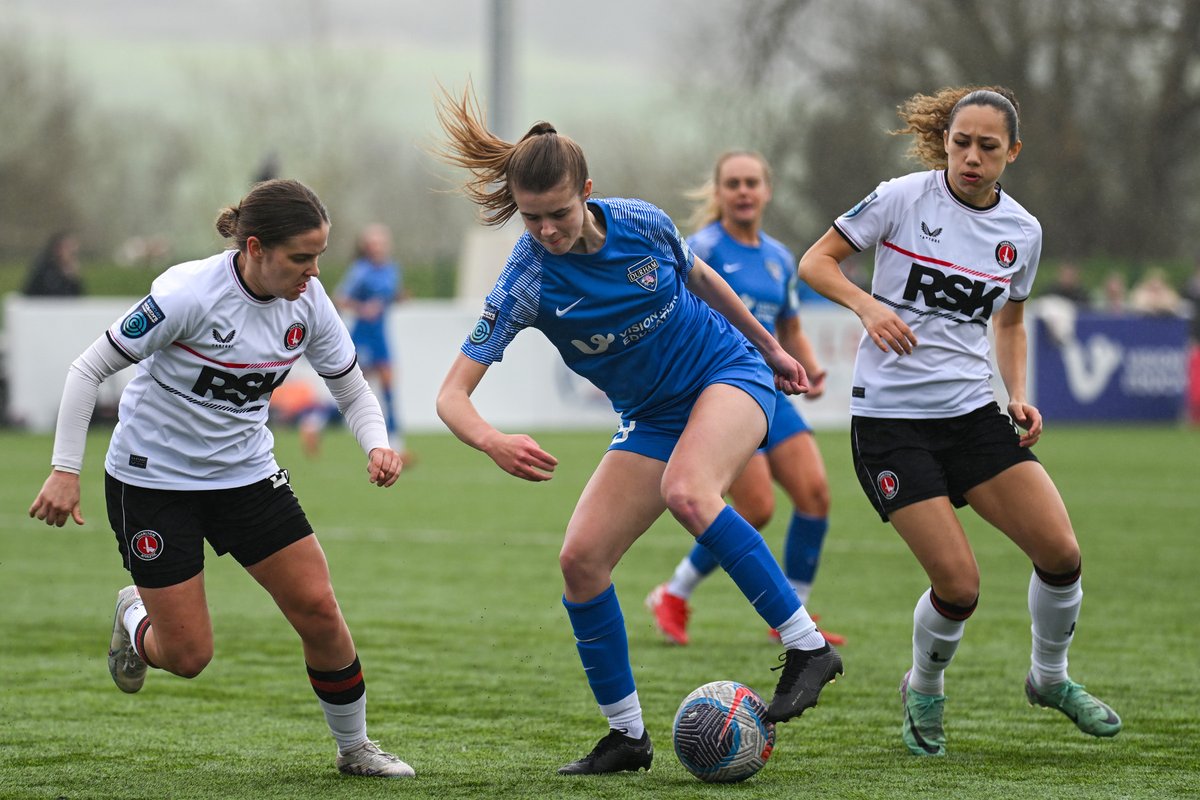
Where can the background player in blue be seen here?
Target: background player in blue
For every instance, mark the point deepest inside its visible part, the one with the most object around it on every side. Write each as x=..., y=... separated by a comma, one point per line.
x=604, y=281
x=191, y=459
x=954, y=253
x=759, y=268
x=372, y=283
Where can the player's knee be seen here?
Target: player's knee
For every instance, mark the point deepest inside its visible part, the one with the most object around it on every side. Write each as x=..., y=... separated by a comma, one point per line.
x=757, y=514
x=317, y=614
x=1061, y=565
x=581, y=571
x=958, y=586
x=961, y=593
x=684, y=500
x=190, y=663
x=813, y=500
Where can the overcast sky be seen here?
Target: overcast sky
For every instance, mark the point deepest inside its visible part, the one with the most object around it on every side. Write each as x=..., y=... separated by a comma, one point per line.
x=607, y=51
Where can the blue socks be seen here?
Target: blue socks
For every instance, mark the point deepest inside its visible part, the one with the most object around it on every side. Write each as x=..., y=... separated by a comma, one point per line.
x=702, y=560
x=599, y=628
x=744, y=554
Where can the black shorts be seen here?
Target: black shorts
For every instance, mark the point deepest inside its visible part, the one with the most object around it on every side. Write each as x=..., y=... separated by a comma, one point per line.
x=161, y=532
x=904, y=461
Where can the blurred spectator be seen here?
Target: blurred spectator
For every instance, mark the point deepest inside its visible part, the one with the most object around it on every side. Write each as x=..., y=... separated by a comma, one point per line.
x=55, y=271
x=1068, y=284
x=1153, y=295
x=1114, y=293
x=268, y=168
x=1191, y=293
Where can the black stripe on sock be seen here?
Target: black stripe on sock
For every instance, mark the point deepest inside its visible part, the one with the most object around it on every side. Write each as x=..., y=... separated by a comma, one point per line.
x=139, y=641
x=1062, y=579
x=951, y=611
x=339, y=687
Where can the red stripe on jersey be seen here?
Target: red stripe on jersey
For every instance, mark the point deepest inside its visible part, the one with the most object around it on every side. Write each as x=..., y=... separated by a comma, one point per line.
x=950, y=264
x=336, y=686
x=227, y=365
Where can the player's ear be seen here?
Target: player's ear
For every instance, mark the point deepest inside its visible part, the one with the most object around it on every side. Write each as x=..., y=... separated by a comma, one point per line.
x=254, y=248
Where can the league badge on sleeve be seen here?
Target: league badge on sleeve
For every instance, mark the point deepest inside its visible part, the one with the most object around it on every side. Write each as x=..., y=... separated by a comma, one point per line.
x=487, y=322
x=144, y=316
x=866, y=201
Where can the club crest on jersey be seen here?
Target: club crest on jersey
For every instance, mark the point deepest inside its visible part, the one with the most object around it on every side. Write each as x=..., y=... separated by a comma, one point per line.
x=866, y=201
x=483, y=328
x=295, y=335
x=644, y=274
x=775, y=269
x=144, y=316
x=1006, y=254
x=147, y=545
x=888, y=483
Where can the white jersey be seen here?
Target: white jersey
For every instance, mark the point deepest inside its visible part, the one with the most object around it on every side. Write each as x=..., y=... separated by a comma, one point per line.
x=945, y=268
x=209, y=353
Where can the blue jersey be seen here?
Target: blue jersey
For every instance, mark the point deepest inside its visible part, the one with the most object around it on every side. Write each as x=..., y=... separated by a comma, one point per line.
x=621, y=317
x=366, y=281
x=763, y=277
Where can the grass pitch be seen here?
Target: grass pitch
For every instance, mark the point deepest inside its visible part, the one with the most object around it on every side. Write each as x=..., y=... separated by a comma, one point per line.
x=450, y=584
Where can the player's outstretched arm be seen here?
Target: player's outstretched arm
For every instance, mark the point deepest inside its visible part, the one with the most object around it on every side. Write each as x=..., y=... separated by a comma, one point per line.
x=516, y=454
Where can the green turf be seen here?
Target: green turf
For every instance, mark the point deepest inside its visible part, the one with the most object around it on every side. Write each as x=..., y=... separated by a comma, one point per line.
x=450, y=584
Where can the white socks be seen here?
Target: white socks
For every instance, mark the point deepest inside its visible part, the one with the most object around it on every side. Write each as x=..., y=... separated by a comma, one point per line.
x=935, y=638
x=347, y=723
x=626, y=715
x=685, y=580
x=799, y=632
x=1053, y=610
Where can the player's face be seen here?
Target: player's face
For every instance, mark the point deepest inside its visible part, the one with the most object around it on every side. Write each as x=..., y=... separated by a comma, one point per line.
x=376, y=244
x=284, y=270
x=555, y=217
x=977, y=151
x=742, y=190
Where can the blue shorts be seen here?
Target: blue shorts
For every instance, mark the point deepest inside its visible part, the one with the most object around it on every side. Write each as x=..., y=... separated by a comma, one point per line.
x=787, y=422
x=655, y=436
x=371, y=345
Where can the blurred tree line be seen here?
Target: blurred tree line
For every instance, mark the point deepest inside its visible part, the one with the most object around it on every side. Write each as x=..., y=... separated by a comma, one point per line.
x=1109, y=90
x=1109, y=93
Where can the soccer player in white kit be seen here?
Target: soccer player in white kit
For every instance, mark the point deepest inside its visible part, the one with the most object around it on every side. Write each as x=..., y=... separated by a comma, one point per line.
x=954, y=252
x=191, y=457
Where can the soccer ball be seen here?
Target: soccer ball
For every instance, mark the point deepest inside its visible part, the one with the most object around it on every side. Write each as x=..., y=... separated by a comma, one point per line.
x=721, y=733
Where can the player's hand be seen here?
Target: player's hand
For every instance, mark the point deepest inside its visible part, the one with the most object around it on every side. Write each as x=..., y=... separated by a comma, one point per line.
x=383, y=466
x=816, y=384
x=887, y=330
x=519, y=455
x=371, y=310
x=790, y=377
x=58, y=500
x=1028, y=418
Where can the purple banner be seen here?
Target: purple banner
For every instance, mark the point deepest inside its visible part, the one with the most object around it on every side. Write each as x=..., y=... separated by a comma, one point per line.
x=1102, y=367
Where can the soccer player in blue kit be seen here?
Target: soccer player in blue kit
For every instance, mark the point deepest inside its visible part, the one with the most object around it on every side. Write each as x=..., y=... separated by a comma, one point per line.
x=729, y=237
x=607, y=282
x=372, y=283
